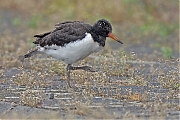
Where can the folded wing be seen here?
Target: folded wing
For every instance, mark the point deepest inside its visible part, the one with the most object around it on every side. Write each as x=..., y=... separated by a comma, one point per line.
x=64, y=33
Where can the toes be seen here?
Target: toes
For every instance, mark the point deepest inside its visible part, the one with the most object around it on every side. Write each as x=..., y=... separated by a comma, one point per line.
x=89, y=69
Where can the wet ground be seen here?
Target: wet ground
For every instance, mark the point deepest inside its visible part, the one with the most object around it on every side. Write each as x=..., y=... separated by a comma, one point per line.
x=151, y=92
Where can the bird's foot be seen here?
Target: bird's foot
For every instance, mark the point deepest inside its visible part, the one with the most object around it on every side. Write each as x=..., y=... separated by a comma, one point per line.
x=69, y=68
x=88, y=69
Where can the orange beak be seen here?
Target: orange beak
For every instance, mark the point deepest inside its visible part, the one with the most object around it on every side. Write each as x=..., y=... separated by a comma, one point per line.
x=114, y=38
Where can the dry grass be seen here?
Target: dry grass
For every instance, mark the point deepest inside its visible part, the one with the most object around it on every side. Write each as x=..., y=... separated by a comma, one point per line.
x=114, y=70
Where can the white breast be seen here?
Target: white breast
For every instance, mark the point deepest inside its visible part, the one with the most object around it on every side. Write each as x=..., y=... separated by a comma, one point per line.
x=74, y=51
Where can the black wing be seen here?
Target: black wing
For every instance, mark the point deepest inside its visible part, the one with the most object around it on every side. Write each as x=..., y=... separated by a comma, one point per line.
x=64, y=33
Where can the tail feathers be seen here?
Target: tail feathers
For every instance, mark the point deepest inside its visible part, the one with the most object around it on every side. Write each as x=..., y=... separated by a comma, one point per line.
x=31, y=53
x=42, y=35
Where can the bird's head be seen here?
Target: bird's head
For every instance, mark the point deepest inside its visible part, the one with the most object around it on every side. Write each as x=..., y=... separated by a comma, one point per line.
x=103, y=27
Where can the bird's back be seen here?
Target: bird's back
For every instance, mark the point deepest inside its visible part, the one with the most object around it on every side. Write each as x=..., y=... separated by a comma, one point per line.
x=63, y=33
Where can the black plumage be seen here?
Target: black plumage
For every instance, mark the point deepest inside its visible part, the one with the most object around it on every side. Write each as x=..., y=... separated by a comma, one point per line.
x=63, y=34
x=70, y=31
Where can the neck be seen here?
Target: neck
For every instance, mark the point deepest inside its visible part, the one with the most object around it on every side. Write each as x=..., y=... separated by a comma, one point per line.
x=98, y=38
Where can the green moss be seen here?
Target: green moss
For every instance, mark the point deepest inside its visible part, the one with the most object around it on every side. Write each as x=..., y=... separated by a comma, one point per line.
x=34, y=21
x=160, y=29
x=166, y=52
x=16, y=21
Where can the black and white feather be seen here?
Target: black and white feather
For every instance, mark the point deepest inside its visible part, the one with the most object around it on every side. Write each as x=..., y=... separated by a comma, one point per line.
x=72, y=41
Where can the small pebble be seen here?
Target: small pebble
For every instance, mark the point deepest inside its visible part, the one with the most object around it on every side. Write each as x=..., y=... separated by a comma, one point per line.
x=51, y=96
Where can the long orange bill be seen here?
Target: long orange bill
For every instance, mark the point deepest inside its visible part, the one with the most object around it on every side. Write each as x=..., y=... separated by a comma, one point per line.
x=114, y=38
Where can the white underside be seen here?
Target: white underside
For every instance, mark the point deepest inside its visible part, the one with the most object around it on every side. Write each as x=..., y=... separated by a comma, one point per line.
x=74, y=51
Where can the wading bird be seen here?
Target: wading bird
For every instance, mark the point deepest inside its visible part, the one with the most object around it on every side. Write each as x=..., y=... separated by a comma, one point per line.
x=72, y=41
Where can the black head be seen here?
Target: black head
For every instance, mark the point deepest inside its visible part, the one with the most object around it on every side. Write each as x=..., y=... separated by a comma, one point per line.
x=103, y=28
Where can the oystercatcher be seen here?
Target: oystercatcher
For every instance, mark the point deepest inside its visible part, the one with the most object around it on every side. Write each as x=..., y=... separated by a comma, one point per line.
x=72, y=41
